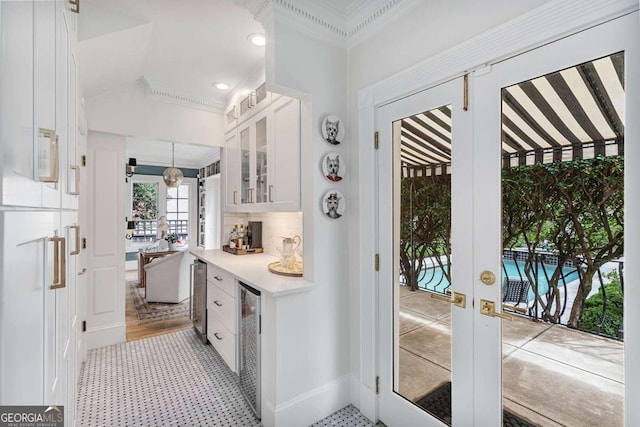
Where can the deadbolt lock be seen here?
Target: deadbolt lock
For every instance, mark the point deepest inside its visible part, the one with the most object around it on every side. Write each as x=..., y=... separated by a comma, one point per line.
x=487, y=277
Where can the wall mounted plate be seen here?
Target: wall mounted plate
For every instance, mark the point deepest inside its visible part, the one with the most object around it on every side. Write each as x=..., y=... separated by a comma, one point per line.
x=333, y=204
x=332, y=129
x=333, y=167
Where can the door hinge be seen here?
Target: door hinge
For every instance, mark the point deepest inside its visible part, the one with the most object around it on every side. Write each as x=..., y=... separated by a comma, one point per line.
x=377, y=385
x=83, y=160
x=84, y=243
x=84, y=326
x=377, y=262
x=376, y=140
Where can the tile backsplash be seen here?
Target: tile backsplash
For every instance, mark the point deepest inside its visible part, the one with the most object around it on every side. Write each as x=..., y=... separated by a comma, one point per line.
x=275, y=225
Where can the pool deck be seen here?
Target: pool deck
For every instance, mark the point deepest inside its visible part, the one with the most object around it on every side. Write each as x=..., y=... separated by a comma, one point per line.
x=552, y=375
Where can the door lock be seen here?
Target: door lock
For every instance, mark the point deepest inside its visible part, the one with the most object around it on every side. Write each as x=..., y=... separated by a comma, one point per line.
x=488, y=308
x=487, y=277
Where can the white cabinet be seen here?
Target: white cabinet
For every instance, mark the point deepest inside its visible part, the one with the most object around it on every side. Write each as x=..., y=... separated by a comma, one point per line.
x=231, y=171
x=221, y=314
x=262, y=160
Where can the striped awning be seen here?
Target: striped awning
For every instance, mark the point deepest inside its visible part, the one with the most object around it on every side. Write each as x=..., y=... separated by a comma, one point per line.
x=573, y=113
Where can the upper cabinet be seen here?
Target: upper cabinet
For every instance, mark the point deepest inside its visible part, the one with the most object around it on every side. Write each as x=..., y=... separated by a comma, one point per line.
x=37, y=109
x=262, y=160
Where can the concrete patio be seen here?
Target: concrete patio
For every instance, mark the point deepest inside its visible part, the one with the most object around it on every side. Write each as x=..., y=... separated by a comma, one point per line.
x=552, y=375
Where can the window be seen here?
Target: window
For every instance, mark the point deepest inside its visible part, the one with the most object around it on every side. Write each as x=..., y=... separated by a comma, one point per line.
x=144, y=210
x=178, y=210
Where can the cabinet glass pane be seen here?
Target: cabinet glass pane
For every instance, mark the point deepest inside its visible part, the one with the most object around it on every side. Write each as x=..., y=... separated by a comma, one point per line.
x=244, y=166
x=261, y=161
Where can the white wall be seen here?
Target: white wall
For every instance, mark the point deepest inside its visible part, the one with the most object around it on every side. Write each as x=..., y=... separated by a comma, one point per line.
x=275, y=225
x=418, y=33
x=130, y=112
x=312, y=348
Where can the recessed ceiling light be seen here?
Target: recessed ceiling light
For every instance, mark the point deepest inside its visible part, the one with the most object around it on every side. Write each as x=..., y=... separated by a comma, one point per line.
x=221, y=86
x=257, y=39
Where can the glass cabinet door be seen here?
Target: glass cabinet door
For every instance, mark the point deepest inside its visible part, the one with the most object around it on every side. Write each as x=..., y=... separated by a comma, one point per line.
x=261, y=162
x=245, y=158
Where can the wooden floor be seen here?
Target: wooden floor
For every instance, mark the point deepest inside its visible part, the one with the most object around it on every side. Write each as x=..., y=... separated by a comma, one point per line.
x=136, y=331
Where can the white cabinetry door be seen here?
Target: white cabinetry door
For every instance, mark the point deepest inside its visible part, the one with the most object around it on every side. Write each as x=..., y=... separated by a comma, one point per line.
x=19, y=172
x=26, y=268
x=284, y=156
x=232, y=171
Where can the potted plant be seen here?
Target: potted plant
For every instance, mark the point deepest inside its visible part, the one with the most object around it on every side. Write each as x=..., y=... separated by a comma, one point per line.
x=172, y=239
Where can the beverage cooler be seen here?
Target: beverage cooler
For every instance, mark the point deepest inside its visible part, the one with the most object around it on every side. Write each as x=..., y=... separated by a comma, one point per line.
x=250, y=331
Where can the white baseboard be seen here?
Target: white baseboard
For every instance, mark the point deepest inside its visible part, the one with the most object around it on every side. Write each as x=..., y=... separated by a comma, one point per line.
x=105, y=335
x=310, y=407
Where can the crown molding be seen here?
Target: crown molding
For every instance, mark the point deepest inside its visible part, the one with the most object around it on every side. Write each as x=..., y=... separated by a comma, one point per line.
x=331, y=19
x=185, y=100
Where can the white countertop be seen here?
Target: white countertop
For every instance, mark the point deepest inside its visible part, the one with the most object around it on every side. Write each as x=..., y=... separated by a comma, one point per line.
x=252, y=270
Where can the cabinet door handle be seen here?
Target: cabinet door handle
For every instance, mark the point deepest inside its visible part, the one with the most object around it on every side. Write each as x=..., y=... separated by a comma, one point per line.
x=270, y=193
x=59, y=263
x=218, y=278
x=251, y=195
x=216, y=302
x=83, y=272
x=218, y=337
x=77, y=250
x=54, y=174
x=75, y=6
x=235, y=193
x=76, y=188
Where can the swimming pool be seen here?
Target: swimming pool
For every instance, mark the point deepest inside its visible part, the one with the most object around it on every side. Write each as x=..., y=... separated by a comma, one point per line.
x=432, y=279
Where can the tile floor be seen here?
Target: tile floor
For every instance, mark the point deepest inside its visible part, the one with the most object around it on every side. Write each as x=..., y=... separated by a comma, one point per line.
x=170, y=380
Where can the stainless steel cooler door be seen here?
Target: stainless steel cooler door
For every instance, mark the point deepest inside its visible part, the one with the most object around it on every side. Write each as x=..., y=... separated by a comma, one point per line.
x=199, y=298
x=249, y=371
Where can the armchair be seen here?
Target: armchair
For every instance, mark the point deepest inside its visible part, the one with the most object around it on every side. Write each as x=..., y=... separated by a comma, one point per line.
x=163, y=282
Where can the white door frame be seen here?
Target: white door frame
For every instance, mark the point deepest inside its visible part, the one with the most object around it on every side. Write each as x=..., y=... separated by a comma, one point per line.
x=551, y=21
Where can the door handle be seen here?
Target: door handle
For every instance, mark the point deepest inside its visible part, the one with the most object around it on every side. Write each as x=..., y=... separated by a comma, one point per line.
x=271, y=194
x=83, y=272
x=216, y=302
x=53, y=155
x=218, y=278
x=235, y=192
x=191, y=273
x=457, y=299
x=77, y=250
x=76, y=189
x=514, y=308
x=218, y=337
x=488, y=308
x=59, y=263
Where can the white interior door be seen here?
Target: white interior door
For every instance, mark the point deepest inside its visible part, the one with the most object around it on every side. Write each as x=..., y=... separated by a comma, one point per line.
x=426, y=343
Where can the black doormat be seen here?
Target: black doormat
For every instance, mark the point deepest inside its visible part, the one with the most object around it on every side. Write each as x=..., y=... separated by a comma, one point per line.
x=438, y=404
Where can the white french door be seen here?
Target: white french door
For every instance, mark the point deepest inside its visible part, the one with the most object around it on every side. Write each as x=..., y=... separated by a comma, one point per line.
x=433, y=353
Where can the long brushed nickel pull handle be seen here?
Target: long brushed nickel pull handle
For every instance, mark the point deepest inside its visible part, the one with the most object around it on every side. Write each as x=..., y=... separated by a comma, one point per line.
x=54, y=173
x=271, y=194
x=59, y=263
x=77, y=250
x=76, y=189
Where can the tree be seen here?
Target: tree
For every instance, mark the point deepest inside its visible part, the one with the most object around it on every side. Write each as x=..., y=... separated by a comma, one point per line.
x=145, y=201
x=425, y=227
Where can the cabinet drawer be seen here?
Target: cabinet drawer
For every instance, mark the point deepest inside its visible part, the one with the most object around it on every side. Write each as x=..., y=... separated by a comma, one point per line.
x=223, y=305
x=221, y=279
x=222, y=339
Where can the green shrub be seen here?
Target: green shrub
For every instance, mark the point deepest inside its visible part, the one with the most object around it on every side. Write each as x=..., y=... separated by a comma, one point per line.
x=613, y=315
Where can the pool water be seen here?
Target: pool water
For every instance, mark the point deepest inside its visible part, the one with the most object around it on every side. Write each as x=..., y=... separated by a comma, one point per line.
x=434, y=280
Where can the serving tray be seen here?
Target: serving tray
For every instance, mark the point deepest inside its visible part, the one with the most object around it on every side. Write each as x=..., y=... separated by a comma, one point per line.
x=237, y=251
x=294, y=271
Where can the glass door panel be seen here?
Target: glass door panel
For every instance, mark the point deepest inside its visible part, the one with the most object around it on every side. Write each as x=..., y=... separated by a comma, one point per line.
x=422, y=377
x=261, y=161
x=245, y=160
x=563, y=245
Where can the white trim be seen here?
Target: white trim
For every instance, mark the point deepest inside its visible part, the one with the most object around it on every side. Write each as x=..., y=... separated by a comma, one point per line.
x=173, y=97
x=311, y=406
x=549, y=22
x=105, y=335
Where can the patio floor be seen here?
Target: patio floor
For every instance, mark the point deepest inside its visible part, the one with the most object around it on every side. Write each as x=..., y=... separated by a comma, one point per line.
x=552, y=375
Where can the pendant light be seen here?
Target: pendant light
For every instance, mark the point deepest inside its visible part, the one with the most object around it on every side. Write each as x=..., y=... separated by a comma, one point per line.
x=172, y=176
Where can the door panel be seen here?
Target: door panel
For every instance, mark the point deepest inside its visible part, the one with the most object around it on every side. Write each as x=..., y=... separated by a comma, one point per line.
x=425, y=342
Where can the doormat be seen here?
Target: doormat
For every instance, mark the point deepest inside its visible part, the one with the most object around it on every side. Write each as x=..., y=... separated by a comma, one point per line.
x=153, y=311
x=438, y=404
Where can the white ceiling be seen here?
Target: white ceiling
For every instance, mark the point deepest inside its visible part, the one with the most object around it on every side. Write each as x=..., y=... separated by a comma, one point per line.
x=180, y=45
